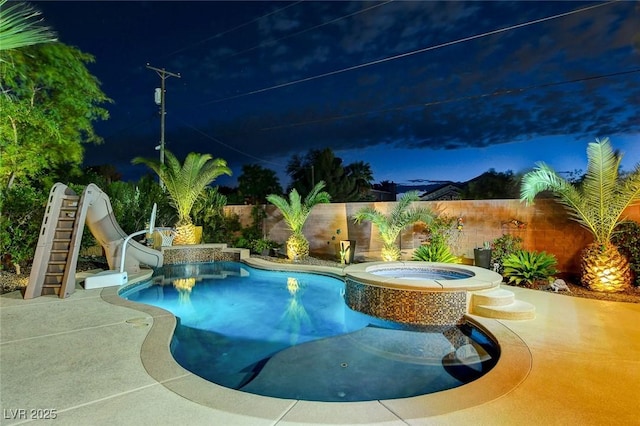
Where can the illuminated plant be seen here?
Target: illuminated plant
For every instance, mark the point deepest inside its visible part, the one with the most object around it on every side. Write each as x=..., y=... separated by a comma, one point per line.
x=528, y=267
x=435, y=252
x=295, y=213
x=390, y=226
x=185, y=183
x=597, y=204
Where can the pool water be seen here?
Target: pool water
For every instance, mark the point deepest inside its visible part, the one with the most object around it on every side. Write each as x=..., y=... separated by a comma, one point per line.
x=290, y=335
x=409, y=273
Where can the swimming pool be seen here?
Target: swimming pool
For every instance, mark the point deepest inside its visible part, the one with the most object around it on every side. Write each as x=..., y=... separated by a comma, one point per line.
x=290, y=335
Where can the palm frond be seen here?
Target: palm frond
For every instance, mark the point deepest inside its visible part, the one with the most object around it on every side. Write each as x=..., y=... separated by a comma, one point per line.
x=599, y=203
x=21, y=25
x=543, y=178
x=186, y=182
x=294, y=211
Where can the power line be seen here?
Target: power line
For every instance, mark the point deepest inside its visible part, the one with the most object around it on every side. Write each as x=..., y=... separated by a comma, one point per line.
x=219, y=142
x=406, y=54
x=332, y=21
x=237, y=27
x=432, y=103
x=451, y=100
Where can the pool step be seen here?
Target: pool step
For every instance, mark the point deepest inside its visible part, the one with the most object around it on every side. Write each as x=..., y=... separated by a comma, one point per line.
x=499, y=303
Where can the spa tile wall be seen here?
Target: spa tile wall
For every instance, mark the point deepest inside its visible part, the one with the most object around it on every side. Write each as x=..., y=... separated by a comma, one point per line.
x=407, y=306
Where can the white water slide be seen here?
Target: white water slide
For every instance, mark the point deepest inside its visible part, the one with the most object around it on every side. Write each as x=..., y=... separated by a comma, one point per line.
x=56, y=257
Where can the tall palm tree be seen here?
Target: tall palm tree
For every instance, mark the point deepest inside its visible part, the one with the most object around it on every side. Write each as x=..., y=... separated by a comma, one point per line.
x=361, y=173
x=597, y=204
x=20, y=26
x=390, y=226
x=295, y=213
x=185, y=183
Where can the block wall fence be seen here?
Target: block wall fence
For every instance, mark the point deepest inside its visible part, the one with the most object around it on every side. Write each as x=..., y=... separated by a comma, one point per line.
x=543, y=226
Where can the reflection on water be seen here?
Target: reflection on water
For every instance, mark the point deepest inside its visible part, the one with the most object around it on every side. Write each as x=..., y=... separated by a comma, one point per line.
x=295, y=316
x=184, y=286
x=291, y=335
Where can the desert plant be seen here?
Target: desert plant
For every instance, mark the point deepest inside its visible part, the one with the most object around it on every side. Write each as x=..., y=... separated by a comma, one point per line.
x=597, y=204
x=527, y=267
x=185, y=183
x=295, y=213
x=390, y=226
x=502, y=247
x=435, y=252
x=627, y=239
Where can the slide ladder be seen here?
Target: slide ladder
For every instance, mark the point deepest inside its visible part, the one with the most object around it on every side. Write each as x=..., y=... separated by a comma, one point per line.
x=56, y=257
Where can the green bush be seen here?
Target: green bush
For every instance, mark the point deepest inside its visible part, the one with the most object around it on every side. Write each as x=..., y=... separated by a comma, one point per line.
x=435, y=252
x=22, y=208
x=502, y=247
x=261, y=244
x=529, y=267
x=132, y=204
x=627, y=238
x=208, y=212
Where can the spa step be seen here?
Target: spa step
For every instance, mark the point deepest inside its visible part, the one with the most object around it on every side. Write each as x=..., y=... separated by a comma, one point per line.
x=518, y=310
x=494, y=297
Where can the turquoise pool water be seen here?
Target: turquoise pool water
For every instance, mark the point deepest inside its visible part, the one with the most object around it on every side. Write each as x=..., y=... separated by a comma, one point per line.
x=290, y=335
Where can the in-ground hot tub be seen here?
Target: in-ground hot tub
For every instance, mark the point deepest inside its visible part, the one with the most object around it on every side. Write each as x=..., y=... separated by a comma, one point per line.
x=414, y=292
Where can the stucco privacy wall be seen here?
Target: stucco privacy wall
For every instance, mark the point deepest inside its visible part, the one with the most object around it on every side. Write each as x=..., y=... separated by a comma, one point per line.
x=546, y=227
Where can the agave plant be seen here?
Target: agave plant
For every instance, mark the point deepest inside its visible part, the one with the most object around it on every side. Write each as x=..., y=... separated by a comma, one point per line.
x=597, y=204
x=185, y=183
x=295, y=213
x=529, y=266
x=389, y=227
x=435, y=252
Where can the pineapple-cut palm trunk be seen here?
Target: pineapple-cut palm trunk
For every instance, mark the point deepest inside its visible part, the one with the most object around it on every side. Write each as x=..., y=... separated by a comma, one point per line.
x=185, y=234
x=297, y=247
x=390, y=253
x=604, y=268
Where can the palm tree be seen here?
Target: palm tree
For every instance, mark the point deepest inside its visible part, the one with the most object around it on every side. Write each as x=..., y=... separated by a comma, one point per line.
x=19, y=26
x=322, y=165
x=389, y=227
x=185, y=184
x=597, y=204
x=295, y=213
x=361, y=173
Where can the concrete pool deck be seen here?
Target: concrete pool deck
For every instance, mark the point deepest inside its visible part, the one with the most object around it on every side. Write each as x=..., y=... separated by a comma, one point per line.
x=97, y=359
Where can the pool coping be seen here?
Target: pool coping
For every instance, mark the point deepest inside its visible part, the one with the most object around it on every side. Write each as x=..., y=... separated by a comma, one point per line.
x=482, y=279
x=511, y=370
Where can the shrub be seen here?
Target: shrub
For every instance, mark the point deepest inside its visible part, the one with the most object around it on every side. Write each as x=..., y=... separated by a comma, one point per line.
x=208, y=212
x=502, y=247
x=627, y=239
x=262, y=244
x=527, y=267
x=22, y=209
x=435, y=252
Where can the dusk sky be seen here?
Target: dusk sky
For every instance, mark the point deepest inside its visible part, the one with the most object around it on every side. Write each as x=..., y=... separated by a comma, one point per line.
x=421, y=90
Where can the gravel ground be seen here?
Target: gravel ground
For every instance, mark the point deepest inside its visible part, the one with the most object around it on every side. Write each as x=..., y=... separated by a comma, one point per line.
x=11, y=281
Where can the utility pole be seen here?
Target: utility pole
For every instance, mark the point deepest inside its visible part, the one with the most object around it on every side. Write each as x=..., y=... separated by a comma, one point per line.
x=164, y=74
